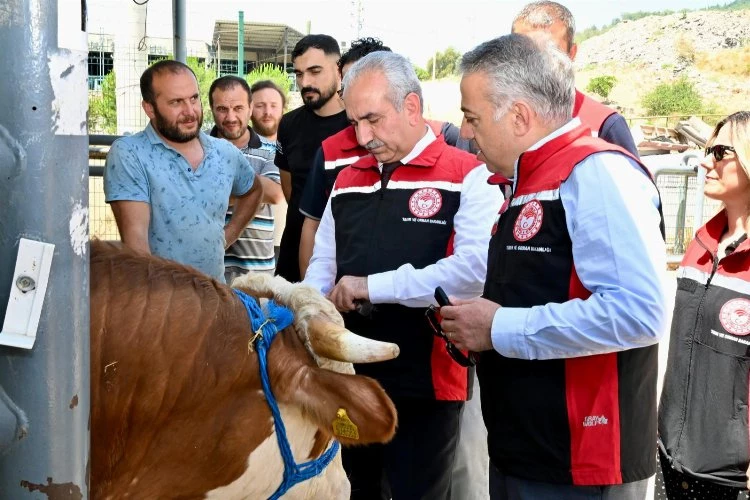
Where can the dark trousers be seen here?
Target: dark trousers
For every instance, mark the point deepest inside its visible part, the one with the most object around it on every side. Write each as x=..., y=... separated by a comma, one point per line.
x=417, y=464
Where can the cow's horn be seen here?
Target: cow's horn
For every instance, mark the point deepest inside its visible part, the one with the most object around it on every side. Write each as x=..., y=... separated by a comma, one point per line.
x=335, y=342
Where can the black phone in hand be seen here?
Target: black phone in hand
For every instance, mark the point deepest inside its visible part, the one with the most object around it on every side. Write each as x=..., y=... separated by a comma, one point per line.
x=441, y=297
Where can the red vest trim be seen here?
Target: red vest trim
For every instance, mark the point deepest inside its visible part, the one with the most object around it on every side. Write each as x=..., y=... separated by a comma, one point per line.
x=593, y=114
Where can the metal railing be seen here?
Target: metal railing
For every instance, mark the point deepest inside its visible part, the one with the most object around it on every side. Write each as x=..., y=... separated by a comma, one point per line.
x=667, y=120
x=102, y=223
x=684, y=207
x=678, y=177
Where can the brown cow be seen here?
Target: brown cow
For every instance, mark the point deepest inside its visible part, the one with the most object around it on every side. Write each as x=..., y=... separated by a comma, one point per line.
x=177, y=408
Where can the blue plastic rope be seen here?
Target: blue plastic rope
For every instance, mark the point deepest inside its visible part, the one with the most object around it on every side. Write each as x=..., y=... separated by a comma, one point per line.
x=277, y=318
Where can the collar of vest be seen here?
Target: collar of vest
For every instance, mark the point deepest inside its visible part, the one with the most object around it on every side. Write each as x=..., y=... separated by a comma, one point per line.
x=578, y=102
x=427, y=158
x=529, y=161
x=499, y=180
x=346, y=140
x=710, y=234
x=254, y=141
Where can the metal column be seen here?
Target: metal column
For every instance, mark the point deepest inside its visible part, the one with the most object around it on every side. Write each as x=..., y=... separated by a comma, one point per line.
x=178, y=26
x=44, y=188
x=241, y=45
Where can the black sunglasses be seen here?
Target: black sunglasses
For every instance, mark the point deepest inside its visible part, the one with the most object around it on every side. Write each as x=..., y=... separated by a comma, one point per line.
x=719, y=150
x=433, y=319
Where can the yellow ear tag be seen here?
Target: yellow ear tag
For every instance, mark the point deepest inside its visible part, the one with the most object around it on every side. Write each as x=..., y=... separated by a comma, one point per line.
x=343, y=426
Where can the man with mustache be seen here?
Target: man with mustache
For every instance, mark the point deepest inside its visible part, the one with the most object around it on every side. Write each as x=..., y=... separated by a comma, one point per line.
x=301, y=132
x=169, y=185
x=412, y=214
x=231, y=106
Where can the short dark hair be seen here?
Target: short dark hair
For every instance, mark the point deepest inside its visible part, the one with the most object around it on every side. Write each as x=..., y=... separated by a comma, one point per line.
x=359, y=49
x=225, y=83
x=147, y=78
x=326, y=43
x=268, y=84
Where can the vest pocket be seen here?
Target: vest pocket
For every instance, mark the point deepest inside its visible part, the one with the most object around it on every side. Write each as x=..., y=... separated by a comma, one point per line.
x=715, y=436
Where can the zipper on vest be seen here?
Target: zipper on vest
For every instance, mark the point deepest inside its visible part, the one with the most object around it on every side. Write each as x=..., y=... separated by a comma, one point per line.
x=698, y=317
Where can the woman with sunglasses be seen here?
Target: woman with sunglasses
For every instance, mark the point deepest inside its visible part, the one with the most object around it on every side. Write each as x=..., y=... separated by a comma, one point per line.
x=703, y=413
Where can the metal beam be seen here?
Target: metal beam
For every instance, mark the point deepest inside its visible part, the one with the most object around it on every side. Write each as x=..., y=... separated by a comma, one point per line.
x=180, y=38
x=241, y=44
x=44, y=171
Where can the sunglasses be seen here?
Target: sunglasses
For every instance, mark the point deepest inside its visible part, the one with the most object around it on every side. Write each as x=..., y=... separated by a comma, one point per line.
x=433, y=318
x=719, y=151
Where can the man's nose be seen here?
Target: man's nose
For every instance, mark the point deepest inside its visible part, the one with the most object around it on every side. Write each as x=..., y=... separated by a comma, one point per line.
x=465, y=131
x=364, y=133
x=304, y=80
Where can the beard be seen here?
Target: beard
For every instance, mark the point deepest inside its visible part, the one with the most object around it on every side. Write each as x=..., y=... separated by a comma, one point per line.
x=230, y=135
x=313, y=102
x=263, y=129
x=171, y=130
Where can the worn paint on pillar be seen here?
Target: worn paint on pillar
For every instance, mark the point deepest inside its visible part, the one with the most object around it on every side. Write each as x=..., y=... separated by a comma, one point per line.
x=44, y=188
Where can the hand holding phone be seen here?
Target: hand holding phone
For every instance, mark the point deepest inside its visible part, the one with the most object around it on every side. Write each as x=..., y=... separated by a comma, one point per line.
x=441, y=297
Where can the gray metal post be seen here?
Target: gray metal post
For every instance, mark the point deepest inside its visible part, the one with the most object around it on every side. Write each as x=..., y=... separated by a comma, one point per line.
x=241, y=45
x=286, y=47
x=679, y=230
x=693, y=160
x=44, y=188
x=178, y=26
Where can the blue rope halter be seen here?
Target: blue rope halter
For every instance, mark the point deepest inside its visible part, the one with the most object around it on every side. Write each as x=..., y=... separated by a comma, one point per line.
x=266, y=326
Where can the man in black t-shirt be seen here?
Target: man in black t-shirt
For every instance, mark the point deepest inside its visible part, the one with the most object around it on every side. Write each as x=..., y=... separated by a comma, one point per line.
x=301, y=131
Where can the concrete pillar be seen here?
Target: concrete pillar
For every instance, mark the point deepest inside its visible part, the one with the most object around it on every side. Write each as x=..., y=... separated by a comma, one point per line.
x=44, y=170
x=130, y=60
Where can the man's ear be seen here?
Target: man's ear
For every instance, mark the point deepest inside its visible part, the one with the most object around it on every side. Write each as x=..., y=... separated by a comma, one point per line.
x=572, y=52
x=521, y=116
x=413, y=108
x=148, y=108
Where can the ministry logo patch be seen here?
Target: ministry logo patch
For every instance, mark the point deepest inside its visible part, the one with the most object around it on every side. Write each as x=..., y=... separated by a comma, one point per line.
x=425, y=202
x=735, y=316
x=529, y=221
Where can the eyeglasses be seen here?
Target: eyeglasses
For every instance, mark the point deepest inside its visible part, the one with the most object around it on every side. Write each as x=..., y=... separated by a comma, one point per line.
x=719, y=150
x=340, y=92
x=433, y=318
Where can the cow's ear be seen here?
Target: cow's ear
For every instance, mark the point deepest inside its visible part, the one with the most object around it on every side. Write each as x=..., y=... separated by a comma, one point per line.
x=354, y=408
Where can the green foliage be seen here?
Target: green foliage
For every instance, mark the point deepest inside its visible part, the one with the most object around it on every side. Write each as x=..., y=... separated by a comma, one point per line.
x=634, y=16
x=447, y=63
x=270, y=72
x=736, y=5
x=602, y=85
x=103, y=108
x=593, y=31
x=678, y=97
x=205, y=77
x=422, y=73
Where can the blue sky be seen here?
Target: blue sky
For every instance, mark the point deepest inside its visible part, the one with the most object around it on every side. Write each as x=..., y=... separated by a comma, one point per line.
x=415, y=28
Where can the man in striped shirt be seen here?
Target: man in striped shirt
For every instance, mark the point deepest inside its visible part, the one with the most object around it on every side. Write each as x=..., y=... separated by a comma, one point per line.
x=230, y=100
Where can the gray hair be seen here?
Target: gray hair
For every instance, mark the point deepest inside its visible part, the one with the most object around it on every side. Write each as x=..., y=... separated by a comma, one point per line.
x=520, y=68
x=541, y=15
x=398, y=72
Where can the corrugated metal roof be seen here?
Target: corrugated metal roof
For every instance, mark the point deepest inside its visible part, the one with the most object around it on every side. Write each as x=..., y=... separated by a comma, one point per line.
x=259, y=37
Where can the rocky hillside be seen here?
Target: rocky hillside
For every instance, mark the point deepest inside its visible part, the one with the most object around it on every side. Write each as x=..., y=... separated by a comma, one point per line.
x=655, y=49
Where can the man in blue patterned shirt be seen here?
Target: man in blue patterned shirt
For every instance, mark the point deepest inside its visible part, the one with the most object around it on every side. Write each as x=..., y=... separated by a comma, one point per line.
x=169, y=185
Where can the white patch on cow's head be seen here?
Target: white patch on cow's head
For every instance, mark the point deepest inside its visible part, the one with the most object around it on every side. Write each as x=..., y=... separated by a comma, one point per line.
x=265, y=467
x=305, y=301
